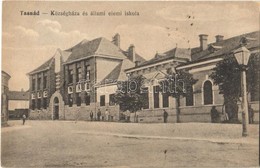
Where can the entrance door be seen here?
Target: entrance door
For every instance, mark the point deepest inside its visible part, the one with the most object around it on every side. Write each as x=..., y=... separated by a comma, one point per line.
x=56, y=109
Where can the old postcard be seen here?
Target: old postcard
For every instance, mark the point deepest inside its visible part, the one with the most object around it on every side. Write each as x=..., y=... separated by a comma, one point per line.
x=130, y=84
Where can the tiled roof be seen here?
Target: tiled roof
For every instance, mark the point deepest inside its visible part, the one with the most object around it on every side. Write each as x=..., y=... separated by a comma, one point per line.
x=118, y=74
x=180, y=53
x=42, y=67
x=99, y=46
x=137, y=56
x=225, y=46
x=18, y=95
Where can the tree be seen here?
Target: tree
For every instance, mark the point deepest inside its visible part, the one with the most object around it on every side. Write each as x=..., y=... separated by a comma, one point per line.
x=130, y=95
x=177, y=84
x=227, y=75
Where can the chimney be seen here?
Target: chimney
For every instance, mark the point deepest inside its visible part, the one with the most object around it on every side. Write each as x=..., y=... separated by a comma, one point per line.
x=137, y=63
x=116, y=40
x=219, y=38
x=131, y=53
x=203, y=41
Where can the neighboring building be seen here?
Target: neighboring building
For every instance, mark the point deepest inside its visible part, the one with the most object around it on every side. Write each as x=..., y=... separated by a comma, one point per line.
x=4, y=98
x=198, y=61
x=67, y=86
x=18, y=104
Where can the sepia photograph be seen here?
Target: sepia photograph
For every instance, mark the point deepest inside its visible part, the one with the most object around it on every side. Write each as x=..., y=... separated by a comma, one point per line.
x=130, y=84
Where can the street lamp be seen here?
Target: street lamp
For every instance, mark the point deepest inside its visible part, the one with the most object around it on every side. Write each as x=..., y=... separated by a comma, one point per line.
x=242, y=55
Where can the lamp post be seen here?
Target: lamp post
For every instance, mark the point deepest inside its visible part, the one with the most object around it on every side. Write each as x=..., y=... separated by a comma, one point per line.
x=242, y=55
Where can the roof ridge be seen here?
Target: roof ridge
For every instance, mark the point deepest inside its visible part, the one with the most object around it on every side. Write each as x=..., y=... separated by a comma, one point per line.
x=100, y=40
x=230, y=38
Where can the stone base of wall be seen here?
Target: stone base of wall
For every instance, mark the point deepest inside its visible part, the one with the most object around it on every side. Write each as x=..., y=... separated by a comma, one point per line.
x=43, y=114
x=187, y=114
x=83, y=112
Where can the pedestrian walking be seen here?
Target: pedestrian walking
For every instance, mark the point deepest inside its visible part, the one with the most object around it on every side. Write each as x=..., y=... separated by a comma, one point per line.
x=107, y=115
x=251, y=115
x=91, y=115
x=98, y=115
x=24, y=118
x=214, y=114
x=165, y=116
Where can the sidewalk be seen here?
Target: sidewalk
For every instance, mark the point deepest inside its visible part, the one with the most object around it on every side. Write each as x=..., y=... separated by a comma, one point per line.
x=242, y=140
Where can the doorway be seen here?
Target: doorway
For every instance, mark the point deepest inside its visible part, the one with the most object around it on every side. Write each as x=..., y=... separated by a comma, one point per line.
x=56, y=109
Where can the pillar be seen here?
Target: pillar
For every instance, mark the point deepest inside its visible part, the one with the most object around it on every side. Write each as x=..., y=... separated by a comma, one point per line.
x=160, y=100
x=36, y=91
x=151, y=99
x=83, y=74
x=74, y=82
x=41, y=87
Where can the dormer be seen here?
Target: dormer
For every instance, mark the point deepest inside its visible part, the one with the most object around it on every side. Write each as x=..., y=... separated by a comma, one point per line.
x=246, y=40
x=214, y=48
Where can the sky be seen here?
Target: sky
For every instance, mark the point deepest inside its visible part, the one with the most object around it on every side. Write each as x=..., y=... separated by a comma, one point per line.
x=28, y=41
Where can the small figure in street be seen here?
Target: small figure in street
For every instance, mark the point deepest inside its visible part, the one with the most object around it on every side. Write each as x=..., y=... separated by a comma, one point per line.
x=165, y=116
x=214, y=115
x=251, y=115
x=24, y=118
x=91, y=115
x=98, y=115
x=107, y=115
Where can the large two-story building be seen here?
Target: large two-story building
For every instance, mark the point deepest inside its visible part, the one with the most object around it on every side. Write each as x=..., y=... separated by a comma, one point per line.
x=199, y=62
x=84, y=78
x=67, y=85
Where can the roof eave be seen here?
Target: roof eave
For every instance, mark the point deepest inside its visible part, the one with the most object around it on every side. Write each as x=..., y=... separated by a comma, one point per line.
x=34, y=72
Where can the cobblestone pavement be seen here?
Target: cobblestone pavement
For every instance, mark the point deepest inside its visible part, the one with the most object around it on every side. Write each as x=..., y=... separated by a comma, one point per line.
x=102, y=144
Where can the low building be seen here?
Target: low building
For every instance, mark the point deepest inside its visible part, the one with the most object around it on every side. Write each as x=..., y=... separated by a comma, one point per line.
x=18, y=104
x=199, y=62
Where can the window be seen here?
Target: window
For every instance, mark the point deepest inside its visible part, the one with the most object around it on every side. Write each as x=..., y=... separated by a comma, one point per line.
x=87, y=77
x=44, y=81
x=112, y=100
x=39, y=102
x=33, y=104
x=44, y=103
x=70, y=100
x=78, y=99
x=156, y=96
x=39, y=83
x=87, y=99
x=33, y=84
x=102, y=100
x=189, y=96
x=70, y=73
x=78, y=76
x=207, y=93
x=87, y=86
x=145, y=94
x=165, y=100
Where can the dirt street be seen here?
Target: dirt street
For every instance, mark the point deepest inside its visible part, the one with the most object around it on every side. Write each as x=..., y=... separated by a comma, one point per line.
x=101, y=144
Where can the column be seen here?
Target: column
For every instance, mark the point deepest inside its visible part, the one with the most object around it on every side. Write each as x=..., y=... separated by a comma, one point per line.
x=151, y=99
x=83, y=74
x=30, y=96
x=41, y=87
x=74, y=83
x=36, y=91
x=160, y=100
x=66, y=81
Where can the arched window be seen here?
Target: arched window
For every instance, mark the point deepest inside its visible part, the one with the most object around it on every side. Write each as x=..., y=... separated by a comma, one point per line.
x=207, y=93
